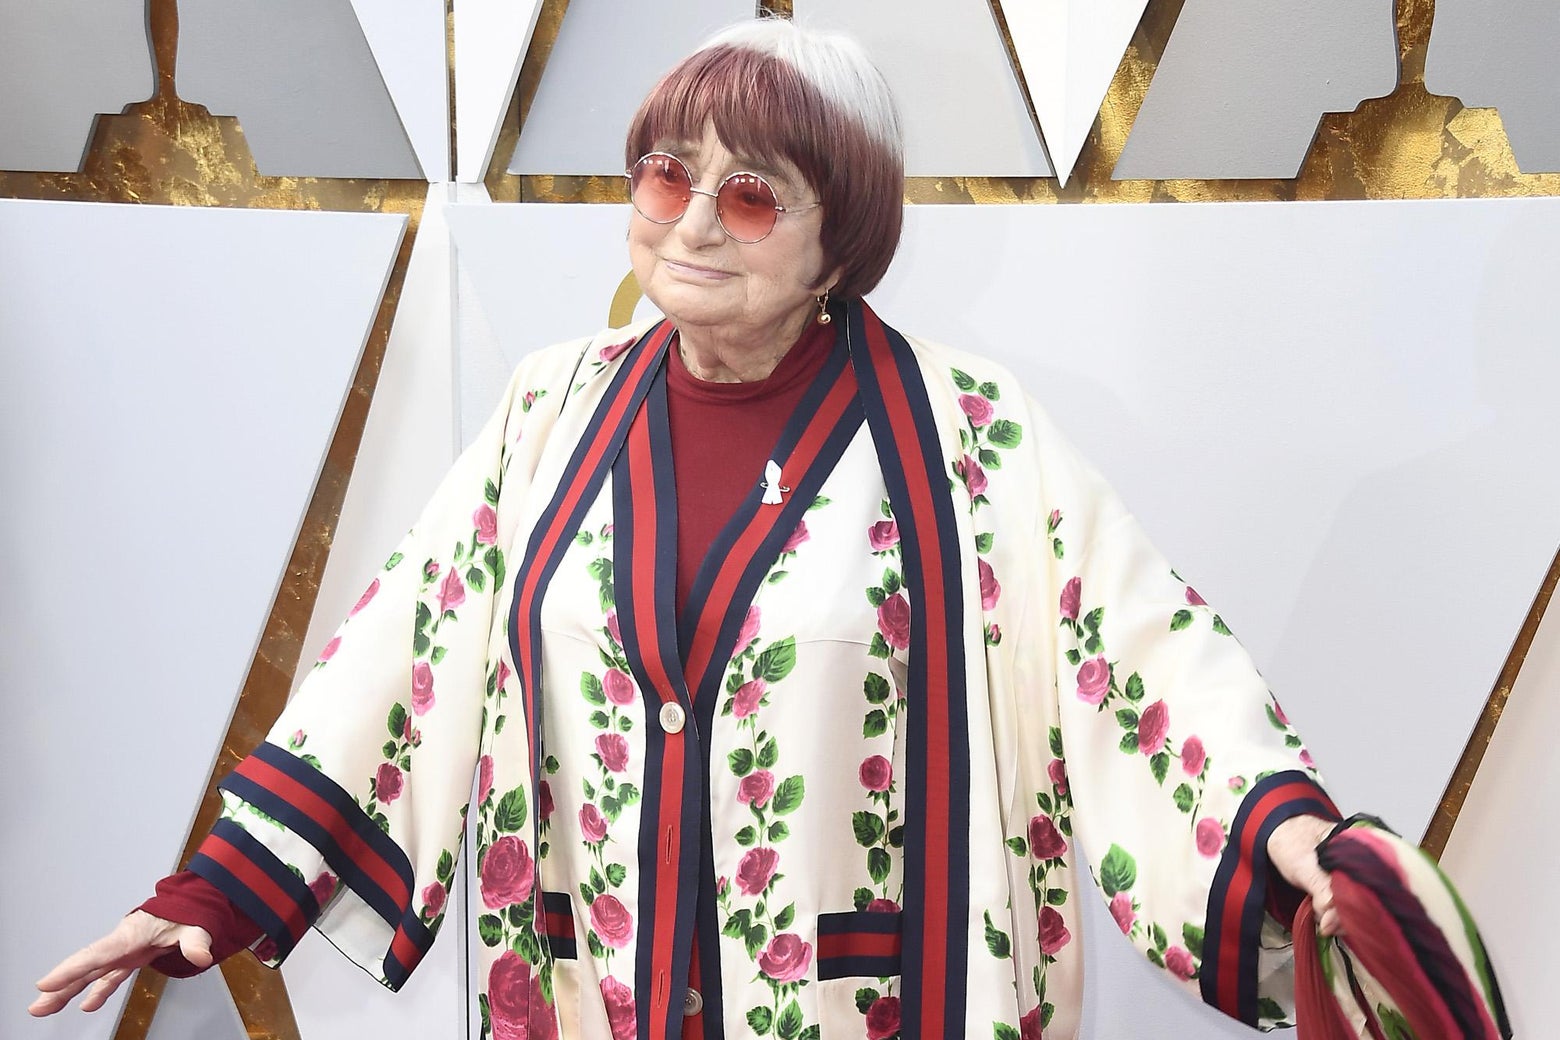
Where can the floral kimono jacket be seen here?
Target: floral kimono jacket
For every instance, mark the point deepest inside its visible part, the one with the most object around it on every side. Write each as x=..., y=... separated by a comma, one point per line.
x=928, y=660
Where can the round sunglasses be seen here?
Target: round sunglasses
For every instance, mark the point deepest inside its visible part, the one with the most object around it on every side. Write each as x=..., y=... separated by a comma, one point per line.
x=745, y=205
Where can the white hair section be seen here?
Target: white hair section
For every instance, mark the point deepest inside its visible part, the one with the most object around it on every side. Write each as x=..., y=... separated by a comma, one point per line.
x=834, y=64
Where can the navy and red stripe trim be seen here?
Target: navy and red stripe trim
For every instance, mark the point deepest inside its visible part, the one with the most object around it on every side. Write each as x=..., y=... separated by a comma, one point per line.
x=644, y=570
x=904, y=430
x=864, y=943
x=1236, y=902
x=557, y=919
x=555, y=529
x=321, y=812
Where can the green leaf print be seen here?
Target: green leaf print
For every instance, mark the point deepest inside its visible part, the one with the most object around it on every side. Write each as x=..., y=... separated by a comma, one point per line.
x=476, y=578
x=789, y=1025
x=760, y=1020
x=1003, y=1031
x=746, y=836
x=861, y=898
x=591, y=687
x=491, y=928
x=394, y=561
x=875, y=724
x=396, y=721
x=617, y=873
x=1018, y=846
x=864, y=999
x=445, y=870
x=1127, y=718
x=963, y=380
x=876, y=688
x=778, y=831
x=490, y=492
x=990, y=392
x=741, y=761
x=1134, y=687
x=1193, y=937
x=769, y=754
x=997, y=940
x=510, y=816
x=983, y=542
x=1184, y=797
x=1180, y=620
x=1055, y=738
x=1220, y=627
x=868, y=827
x=1159, y=765
x=1270, y=1009
x=1005, y=433
x=878, y=865
x=495, y=563
x=776, y=662
x=788, y=796
x=1129, y=743
x=1118, y=872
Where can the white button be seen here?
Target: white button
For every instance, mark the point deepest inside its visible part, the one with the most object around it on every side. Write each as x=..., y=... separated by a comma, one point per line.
x=673, y=717
x=692, y=1003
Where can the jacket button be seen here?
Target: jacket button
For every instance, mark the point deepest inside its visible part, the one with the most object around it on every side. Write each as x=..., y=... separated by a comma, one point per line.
x=673, y=718
x=693, y=1003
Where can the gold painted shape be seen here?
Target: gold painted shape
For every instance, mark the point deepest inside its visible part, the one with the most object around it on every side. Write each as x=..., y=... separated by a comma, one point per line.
x=624, y=300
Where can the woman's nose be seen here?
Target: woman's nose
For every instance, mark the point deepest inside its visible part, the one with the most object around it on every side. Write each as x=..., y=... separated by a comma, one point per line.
x=700, y=225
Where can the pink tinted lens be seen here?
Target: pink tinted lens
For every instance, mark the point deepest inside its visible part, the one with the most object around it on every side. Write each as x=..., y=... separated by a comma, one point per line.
x=660, y=188
x=746, y=205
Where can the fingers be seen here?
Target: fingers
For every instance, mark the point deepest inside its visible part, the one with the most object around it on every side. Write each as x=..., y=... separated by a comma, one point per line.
x=104, y=988
x=54, y=999
x=91, y=958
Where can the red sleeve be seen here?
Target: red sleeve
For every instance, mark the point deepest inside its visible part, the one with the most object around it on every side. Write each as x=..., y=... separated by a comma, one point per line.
x=187, y=898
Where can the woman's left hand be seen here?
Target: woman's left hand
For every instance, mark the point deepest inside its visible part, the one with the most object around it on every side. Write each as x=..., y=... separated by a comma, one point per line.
x=1292, y=849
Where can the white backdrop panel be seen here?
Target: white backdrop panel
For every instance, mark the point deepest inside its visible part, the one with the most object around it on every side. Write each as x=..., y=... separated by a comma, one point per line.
x=407, y=38
x=173, y=379
x=1331, y=416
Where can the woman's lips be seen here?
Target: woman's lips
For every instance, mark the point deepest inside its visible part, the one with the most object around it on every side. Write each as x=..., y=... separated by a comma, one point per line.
x=696, y=271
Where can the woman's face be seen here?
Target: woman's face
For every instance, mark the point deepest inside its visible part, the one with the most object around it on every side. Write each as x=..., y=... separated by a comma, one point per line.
x=700, y=278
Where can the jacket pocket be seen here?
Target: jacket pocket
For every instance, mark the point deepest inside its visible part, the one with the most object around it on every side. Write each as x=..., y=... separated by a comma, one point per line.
x=859, y=944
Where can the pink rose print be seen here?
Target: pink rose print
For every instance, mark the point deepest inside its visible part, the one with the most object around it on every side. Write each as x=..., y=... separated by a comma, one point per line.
x=1057, y=771
x=612, y=627
x=1193, y=756
x=431, y=569
x=613, y=749
x=1237, y=784
x=786, y=958
x=484, y=779
x=995, y=634
x=452, y=592
x=1072, y=596
x=1306, y=759
x=1054, y=520
x=422, y=687
x=974, y=476
x=527, y=401
x=1093, y=680
x=486, y=522
x=593, y=825
x=1045, y=841
x=883, y=1018
x=748, y=632
x=1053, y=931
x=619, y=687
x=610, y=920
x=503, y=674
x=433, y=898
x=1121, y=910
x=329, y=649
x=612, y=351
x=409, y=734
x=883, y=906
x=1194, y=599
x=893, y=619
x=1029, y=1026
x=990, y=591
x=297, y=740
x=363, y=600
x=387, y=783
x=619, y=1001
x=1178, y=960
x=1279, y=713
x=1210, y=836
x=883, y=535
x=507, y=873
x=515, y=1001
x=756, y=788
x=876, y=773
x=323, y=887
x=755, y=869
x=1153, y=727
x=745, y=702
x=977, y=408
x=544, y=800
x=798, y=536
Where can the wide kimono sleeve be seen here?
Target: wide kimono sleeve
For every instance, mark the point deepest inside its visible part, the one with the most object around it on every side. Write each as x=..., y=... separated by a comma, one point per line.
x=1179, y=760
x=349, y=816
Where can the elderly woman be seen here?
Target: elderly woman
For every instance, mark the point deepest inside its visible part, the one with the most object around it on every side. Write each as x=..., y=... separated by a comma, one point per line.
x=792, y=659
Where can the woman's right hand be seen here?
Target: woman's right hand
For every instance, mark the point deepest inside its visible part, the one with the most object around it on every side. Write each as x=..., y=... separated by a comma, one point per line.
x=139, y=939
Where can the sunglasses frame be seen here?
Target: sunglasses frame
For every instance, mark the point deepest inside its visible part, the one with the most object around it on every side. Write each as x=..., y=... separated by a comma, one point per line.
x=714, y=195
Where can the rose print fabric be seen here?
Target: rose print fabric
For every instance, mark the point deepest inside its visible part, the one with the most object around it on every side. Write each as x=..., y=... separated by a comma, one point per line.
x=864, y=757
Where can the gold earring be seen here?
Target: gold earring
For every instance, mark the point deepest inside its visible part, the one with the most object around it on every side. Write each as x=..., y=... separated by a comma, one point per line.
x=824, y=317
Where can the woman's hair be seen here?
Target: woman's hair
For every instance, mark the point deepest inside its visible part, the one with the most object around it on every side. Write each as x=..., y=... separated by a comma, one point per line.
x=774, y=91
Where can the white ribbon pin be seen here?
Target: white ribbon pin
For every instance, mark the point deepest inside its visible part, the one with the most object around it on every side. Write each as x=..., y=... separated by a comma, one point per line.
x=771, y=485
